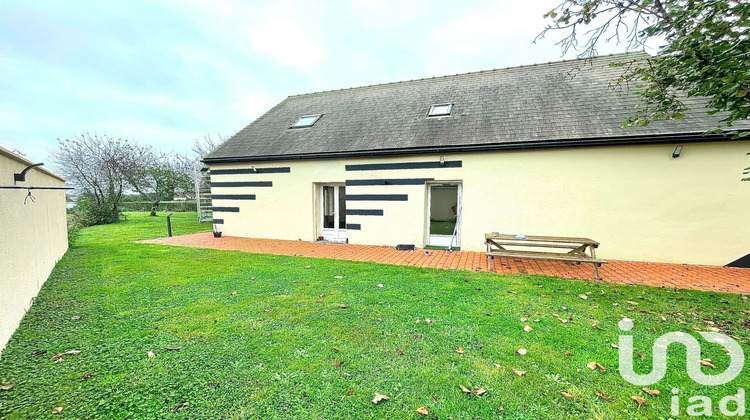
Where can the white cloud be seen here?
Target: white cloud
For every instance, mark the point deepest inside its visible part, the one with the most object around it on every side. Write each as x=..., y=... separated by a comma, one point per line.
x=289, y=41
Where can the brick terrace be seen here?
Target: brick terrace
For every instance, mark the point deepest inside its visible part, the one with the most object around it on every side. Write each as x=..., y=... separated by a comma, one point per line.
x=706, y=278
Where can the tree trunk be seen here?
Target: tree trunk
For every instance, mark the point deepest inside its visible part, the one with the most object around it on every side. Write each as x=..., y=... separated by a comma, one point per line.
x=153, y=208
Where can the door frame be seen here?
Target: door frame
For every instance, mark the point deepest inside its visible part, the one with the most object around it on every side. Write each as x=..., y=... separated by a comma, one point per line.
x=445, y=240
x=335, y=234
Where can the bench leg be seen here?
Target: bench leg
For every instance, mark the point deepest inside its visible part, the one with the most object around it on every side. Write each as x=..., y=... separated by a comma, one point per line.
x=592, y=249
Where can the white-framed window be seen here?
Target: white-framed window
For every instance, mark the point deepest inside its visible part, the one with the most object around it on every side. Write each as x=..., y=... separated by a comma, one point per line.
x=439, y=110
x=306, y=121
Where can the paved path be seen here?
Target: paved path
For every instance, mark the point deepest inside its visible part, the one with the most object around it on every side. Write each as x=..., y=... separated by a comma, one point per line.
x=718, y=279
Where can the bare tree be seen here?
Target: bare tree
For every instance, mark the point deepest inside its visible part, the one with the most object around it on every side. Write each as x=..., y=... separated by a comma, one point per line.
x=202, y=147
x=95, y=165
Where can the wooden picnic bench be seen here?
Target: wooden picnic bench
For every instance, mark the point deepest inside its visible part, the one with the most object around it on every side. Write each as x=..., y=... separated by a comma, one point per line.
x=498, y=244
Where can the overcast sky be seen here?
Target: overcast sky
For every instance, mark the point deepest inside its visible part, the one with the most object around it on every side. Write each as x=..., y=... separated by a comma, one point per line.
x=165, y=73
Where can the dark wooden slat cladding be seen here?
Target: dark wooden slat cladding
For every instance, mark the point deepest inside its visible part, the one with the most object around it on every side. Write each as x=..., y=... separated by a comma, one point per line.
x=404, y=165
x=233, y=196
x=226, y=209
x=245, y=171
x=363, y=212
x=394, y=181
x=377, y=197
x=242, y=184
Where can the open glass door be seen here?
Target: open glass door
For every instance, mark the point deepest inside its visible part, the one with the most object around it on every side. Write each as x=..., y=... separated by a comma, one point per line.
x=444, y=224
x=333, y=212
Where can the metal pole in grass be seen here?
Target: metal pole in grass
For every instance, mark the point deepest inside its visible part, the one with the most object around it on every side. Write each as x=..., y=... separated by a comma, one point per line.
x=169, y=224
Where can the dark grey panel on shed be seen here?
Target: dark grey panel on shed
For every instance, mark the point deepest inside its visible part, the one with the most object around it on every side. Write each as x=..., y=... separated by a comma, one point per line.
x=242, y=184
x=392, y=181
x=233, y=196
x=377, y=197
x=364, y=212
x=245, y=171
x=404, y=165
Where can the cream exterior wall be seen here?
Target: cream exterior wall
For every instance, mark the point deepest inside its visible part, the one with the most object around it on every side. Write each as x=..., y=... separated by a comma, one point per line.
x=637, y=201
x=33, y=237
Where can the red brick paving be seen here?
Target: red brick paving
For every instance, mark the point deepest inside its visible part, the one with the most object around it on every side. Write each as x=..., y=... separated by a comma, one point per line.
x=696, y=277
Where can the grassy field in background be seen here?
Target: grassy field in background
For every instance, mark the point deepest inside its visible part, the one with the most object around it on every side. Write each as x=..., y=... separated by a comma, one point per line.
x=237, y=335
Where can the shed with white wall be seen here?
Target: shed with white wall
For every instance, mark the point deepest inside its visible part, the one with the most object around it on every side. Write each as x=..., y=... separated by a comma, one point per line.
x=33, y=236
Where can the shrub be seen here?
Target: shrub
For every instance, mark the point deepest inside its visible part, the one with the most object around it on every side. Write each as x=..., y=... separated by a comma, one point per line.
x=90, y=212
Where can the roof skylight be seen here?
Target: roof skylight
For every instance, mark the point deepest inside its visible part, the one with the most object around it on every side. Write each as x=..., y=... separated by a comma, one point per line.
x=440, y=110
x=306, y=121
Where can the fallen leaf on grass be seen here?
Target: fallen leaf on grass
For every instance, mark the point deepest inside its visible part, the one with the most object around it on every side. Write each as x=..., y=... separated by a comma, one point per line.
x=522, y=352
x=651, y=392
x=399, y=352
x=423, y=411
x=73, y=352
x=614, y=346
x=596, y=366
x=75, y=318
x=338, y=277
x=87, y=375
x=596, y=327
x=601, y=395
x=350, y=393
x=151, y=355
x=337, y=363
x=498, y=366
x=524, y=319
x=57, y=410
x=267, y=310
x=253, y=278
x=527, y=328
x=639, y=400
x=460, y=350
x=38, y=353
x=708, y=362
x=639, y=354
x=519, y=372
x=233, y=293
x=336, y=348
x=379, y=397
x=582, y=296
x=180, y=406
x=429, y=321
x=57, y=356
x=566, y=395
x=173, y=348
x=307, y=266
x=7, y=387
x=343, y=306
x=474, y=391
x=568, y=353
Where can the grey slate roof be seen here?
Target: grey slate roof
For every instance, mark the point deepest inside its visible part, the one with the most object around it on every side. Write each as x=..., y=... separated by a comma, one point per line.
x=559, y=104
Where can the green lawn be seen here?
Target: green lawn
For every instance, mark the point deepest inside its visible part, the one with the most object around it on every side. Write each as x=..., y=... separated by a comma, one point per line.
x=257, y=340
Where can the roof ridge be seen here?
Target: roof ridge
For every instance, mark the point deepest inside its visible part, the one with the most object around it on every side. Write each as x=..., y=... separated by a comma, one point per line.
x=470, y=72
